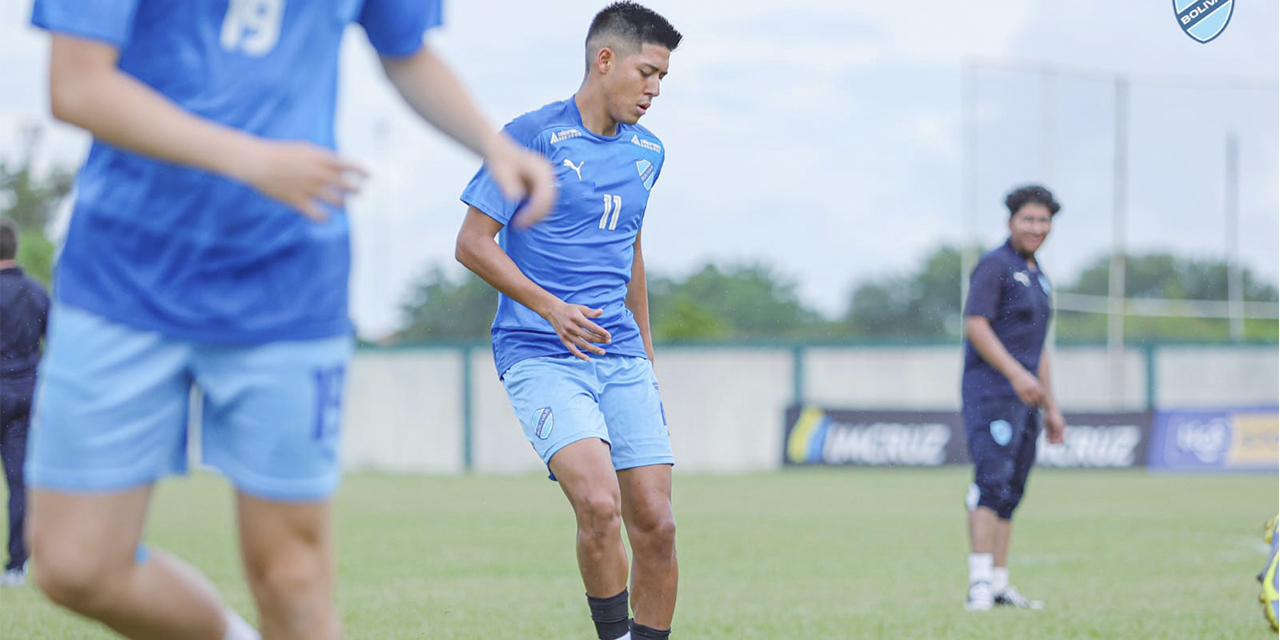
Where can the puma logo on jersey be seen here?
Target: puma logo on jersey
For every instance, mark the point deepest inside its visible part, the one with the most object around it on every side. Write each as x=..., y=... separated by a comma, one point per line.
x=577, y=169
x=1020, y=276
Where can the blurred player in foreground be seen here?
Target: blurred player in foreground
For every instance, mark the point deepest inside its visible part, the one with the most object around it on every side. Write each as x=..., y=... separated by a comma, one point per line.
x=208, y=245
x=1006, y=384
x=573, y=288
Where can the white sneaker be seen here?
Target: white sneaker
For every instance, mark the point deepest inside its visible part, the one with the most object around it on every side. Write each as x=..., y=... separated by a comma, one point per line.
x=1009, y=597
x=979, y=598
x=13, y=578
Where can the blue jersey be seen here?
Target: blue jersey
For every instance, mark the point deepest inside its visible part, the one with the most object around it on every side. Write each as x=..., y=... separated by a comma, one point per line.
x=583, y=250
x=193, y=255
x=1016, y=299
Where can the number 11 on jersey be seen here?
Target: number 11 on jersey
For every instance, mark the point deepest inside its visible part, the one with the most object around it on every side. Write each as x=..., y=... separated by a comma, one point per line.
x=612, y=204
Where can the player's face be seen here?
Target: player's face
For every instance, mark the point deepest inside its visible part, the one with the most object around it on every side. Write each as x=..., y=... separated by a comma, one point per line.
x=1029, y=227
x=633, y=84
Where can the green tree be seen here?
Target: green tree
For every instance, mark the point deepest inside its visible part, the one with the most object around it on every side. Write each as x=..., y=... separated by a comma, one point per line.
x=440, y=308
x=923, y=304
x=742, y=301
x=30, y=201
x=1164, y=275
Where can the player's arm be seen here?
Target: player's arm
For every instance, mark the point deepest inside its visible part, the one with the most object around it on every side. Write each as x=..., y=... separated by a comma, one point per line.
x=88, y=90
x=477, y=251
x=638, y=298
x=430, y=87
x=984, y=340
x=1054, y=424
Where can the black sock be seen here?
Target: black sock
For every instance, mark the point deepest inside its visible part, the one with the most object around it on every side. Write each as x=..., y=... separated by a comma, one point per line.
x=610, y=615
x=641, y=632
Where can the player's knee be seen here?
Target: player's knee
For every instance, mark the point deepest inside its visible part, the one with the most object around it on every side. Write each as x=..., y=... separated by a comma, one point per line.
x=657, y=536
x=599, y=514
x=71, y=577
x=285, y=577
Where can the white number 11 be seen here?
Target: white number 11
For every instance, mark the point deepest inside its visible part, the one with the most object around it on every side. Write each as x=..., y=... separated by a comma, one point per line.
x=612, y=204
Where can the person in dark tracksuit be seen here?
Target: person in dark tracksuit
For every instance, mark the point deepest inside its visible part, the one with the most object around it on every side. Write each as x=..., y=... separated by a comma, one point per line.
x=24, y=312
x=1005, y=389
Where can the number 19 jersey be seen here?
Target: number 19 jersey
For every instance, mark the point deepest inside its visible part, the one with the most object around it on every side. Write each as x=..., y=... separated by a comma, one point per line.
x=582, y=252
x=192, y=255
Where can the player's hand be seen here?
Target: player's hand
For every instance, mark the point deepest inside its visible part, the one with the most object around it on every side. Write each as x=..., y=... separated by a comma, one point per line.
x=522, y=175
x=575, y=329
x=1028, y=389
x=1055, y=426
x=301, y=175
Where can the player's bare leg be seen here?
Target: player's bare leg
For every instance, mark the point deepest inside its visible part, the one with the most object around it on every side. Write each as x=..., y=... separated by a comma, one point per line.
x=85, y=557
x=586, y=476
x=651, y=527
x=288, y=560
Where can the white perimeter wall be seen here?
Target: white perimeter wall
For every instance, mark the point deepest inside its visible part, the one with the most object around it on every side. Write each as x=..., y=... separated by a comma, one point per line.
x=405, y=408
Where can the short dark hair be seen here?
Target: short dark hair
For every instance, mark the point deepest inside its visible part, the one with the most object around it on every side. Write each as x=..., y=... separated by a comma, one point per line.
x=1031, y=193
x=635, y=24
x=8, y=240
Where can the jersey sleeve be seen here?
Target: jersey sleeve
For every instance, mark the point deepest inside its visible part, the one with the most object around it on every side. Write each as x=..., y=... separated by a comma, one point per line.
x=396, y=27
x=483, y=192
x=984, y=289
x=110, y=21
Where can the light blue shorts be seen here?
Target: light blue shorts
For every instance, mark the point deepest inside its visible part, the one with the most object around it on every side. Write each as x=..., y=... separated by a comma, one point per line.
x=561, y=400
x=113, y=404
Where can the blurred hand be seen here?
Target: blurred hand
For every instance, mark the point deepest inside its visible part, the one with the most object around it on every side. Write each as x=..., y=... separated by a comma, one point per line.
x=1055, y=426
x=575, y=329
x=522, y=175
x=1028, y=389
x=301, y=175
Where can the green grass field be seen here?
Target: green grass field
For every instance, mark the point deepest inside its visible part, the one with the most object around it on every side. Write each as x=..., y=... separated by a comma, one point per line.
x=796, y=555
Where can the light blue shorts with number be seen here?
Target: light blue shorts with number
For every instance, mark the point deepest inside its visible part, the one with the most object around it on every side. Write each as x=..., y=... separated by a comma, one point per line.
x=113, y=405
x=561, y=400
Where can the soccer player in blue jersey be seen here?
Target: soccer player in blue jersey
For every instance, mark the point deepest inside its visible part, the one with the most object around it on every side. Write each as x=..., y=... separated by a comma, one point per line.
x=208, y=245
x=571, y=334
x=1006, y=386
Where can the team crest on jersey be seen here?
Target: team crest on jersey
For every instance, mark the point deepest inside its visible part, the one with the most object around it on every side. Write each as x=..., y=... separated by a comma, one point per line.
x=1203, y=20
x=647, y=173
x=565, y=134
x=1001, y=432
x=1044, y=285
x=543, y=422
x=645, y=144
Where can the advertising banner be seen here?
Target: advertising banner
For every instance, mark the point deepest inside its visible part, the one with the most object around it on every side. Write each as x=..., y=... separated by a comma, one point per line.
x=1216, y=440
x=823, y=436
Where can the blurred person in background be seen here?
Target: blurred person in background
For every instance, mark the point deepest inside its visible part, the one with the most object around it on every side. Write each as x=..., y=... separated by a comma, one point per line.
x=571, y=334
x=209, y=245
x=24, y=312
x=1006, y=386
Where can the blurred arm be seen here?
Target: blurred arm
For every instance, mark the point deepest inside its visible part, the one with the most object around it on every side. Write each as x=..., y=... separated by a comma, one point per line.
x=429, y=86
x=87, y=89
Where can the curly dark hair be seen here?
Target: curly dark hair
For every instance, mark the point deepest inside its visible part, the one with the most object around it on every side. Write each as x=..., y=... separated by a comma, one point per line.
x=1031, y=193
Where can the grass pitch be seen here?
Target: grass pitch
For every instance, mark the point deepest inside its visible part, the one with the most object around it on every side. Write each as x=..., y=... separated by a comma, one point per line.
x=794, y=555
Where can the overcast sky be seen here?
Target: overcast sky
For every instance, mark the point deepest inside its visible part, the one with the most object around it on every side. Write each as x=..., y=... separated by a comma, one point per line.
x=824, y=137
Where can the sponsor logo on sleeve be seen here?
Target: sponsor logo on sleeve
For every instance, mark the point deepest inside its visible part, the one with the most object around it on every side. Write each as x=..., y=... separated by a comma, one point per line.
x=564, y=134
x=645, y=144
